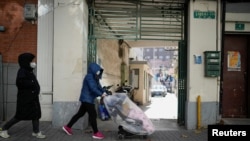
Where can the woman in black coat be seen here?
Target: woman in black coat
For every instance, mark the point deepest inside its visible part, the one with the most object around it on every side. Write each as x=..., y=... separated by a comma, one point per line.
x=28, y=105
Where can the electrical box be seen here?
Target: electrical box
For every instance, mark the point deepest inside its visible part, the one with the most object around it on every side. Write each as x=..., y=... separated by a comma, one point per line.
x=212, y=63
x=30, y=12
x=2, y=29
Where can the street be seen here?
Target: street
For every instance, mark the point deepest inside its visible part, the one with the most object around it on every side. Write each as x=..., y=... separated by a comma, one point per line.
x=162, y=107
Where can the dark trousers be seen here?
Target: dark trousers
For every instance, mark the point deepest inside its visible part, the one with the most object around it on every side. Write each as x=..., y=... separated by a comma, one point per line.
x=90, y=109
x=14, y=120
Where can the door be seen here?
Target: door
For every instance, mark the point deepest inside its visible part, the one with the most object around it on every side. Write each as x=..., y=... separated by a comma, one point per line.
x=182, y=82
x=234, y=95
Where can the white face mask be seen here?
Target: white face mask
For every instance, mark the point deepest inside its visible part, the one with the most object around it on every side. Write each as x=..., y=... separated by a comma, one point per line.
x=98, y=73
x=33, y=65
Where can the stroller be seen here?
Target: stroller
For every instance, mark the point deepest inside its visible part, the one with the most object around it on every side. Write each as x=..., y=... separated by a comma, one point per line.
x=131, y=119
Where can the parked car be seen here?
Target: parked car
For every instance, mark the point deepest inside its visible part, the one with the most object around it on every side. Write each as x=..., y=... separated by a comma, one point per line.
x=158, y=90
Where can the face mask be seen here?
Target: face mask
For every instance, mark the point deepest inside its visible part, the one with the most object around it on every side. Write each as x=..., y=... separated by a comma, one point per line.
x=97, y=75
x=33, y=65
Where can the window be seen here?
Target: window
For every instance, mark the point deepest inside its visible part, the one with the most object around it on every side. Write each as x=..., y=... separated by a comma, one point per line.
x=135, y=78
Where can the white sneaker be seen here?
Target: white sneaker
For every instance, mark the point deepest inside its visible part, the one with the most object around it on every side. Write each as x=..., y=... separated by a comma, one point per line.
x=4, y=134
x=39, y=135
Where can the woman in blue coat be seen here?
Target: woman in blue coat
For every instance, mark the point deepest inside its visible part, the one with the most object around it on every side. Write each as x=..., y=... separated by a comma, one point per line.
x=28, y=89
x=91, y=89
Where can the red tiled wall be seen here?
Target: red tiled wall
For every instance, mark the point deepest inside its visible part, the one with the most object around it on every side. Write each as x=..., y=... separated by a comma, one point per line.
x=20, y=35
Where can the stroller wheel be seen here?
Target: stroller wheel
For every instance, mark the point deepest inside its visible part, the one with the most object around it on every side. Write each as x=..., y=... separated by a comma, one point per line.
x=144, y=137
x=120, y=136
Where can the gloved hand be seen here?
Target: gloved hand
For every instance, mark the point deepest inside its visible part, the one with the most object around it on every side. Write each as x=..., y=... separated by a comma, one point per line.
x=104, y=94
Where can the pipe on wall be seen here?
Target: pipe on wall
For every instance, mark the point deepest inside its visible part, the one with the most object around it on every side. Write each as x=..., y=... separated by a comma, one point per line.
x=219, y=40
x=1, y=89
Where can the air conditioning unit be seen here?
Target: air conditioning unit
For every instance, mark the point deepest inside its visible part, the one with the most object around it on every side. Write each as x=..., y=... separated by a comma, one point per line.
x=30, y=12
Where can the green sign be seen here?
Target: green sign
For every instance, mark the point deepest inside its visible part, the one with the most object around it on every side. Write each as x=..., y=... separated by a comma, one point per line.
x=204, y=14
x=239, y=26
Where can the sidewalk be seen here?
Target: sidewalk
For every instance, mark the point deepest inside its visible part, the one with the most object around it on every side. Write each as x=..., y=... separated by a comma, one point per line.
x=22, y=132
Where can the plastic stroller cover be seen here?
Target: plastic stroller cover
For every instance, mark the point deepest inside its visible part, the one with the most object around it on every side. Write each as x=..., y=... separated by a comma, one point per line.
x=126, y=113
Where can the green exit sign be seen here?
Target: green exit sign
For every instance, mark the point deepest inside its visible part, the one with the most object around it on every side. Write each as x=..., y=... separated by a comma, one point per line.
x=239, y=26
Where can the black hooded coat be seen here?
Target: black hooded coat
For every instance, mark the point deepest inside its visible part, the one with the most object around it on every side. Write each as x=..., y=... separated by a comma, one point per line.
x=28, y=89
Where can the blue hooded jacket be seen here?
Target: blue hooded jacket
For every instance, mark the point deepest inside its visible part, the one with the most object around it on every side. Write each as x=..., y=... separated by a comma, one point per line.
x=91, y=87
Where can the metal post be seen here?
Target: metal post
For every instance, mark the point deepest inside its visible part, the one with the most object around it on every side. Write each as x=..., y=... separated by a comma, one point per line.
x=198, y=112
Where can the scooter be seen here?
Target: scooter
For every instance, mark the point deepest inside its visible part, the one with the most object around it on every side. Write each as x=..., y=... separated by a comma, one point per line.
x=107, y=89
x=124, y=88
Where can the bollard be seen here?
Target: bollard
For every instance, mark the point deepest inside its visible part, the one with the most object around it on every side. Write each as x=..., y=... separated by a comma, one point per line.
x=198, y=112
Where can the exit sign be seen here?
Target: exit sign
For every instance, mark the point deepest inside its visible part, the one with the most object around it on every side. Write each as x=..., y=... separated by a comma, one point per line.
x=239, y=26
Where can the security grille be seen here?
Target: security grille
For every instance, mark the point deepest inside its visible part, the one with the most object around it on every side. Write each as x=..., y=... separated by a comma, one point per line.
x=138, y=19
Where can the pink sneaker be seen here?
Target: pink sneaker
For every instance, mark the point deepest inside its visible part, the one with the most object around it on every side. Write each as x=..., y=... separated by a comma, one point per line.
x=98, y=135
x=67, y=130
